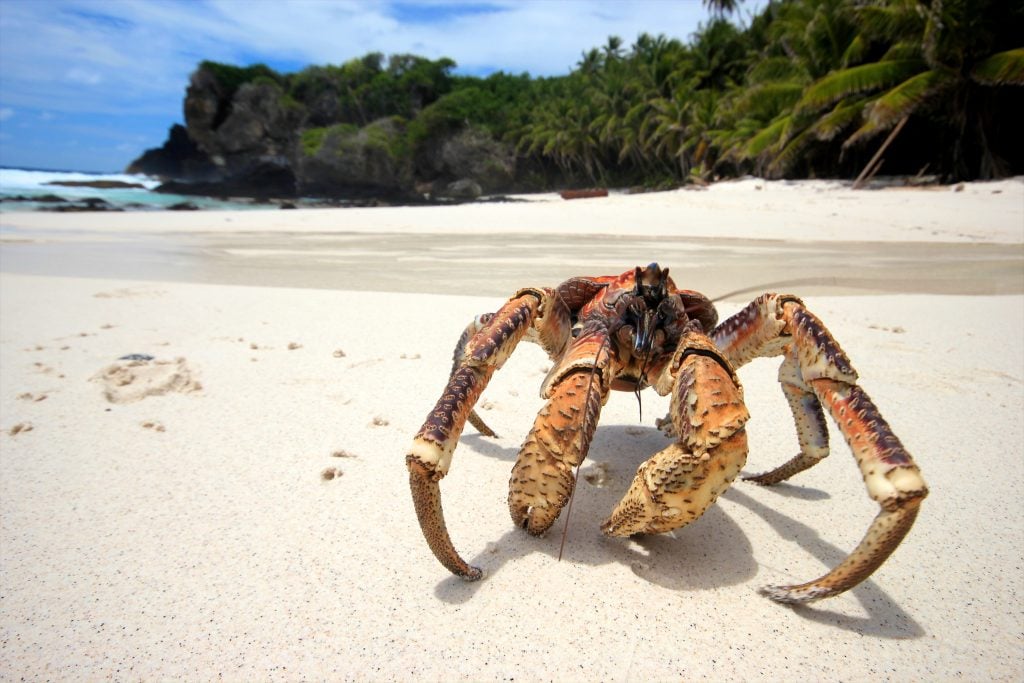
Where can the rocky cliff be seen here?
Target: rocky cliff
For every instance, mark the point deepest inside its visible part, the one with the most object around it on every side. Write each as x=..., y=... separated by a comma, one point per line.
x=336, y=132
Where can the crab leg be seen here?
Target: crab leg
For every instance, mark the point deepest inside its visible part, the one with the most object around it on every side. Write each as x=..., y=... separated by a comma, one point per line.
x=543, y=478
x=816, y=366
x=458, y=356
x=811, y=429
x=676, y=485
x=893, y=481
x=431, y=452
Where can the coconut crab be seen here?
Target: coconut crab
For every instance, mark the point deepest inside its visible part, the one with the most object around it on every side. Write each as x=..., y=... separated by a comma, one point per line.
x=635, y=330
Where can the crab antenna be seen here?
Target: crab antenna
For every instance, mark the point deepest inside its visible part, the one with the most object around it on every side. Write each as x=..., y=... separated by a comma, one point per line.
x=826, y=281
x=636, y=392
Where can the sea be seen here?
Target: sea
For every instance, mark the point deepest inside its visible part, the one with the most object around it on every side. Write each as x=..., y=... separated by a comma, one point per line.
x=24, y=189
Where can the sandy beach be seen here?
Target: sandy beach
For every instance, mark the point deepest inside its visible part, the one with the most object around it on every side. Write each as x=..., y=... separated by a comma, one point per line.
x=238, y=507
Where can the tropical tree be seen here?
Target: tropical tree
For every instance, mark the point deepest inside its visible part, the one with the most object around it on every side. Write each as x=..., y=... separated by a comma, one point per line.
x=936, y=62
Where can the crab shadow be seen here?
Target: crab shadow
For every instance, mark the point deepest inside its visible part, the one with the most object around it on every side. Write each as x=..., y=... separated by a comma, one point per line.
x=489, y=447
x=712, y=552
x=884, y=618
x=787, y=490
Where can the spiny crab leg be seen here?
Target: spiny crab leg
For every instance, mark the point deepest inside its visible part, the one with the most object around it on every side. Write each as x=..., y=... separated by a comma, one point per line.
x=539, y=313
x=816, y=370
x=458, y=356
x=811, y=429
x=431, y=452
x=676, y=485
x=544, y=476
x=892, y=479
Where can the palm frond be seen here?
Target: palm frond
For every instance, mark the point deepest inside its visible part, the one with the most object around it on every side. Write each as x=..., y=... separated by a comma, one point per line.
x=775, y=69
x=768, y=136
x=902, y=100
x=888, y=21
x=902, y=50
x=864, y=78
x=854, y=52
x=1002, y=68
x=842, y=117
x=790, y=154
x=766, y=100
x=865, y=132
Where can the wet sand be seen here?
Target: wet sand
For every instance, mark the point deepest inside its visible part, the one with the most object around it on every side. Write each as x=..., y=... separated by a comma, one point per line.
x=817, y=237
x=497, y=264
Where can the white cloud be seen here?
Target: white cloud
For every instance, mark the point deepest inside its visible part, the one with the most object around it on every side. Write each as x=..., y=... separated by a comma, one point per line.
x=130, y=61
x=81, y=54
x=83, y=76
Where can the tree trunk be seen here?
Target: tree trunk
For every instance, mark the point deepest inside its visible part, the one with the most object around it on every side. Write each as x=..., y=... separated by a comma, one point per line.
x=868, y=172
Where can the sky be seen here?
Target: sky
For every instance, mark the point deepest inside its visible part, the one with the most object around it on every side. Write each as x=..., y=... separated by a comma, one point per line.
x=90, y=84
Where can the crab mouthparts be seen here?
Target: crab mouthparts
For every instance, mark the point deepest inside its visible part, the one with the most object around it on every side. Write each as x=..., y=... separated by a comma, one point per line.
x=644, y=333
x=650, y=288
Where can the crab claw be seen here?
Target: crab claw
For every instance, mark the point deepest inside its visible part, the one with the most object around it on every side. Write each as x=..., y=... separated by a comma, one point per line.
x=426, y=497
x=882, y=538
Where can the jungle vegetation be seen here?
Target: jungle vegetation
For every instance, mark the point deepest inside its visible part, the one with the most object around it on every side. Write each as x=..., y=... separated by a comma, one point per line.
x=804, y=88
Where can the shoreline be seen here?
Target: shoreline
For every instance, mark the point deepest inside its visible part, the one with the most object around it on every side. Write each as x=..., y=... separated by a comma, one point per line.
x=794, y=210
x=810, y=237
x=499, y=264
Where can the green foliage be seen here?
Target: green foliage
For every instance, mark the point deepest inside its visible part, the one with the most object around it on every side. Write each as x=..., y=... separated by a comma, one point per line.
x=905, y=98
x=1002, y=68
x=365, y=89
x=498, y=104
x=312, y=139
x=787, y=94
x=858, y=79
x=836, y=121
x=231, y=78
x=389, y=135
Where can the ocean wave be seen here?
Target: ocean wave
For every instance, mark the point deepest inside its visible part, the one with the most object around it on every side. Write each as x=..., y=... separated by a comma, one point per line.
x=21, y=181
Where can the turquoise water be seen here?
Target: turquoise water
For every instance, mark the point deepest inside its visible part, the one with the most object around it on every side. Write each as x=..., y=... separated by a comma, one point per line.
x=16, y=182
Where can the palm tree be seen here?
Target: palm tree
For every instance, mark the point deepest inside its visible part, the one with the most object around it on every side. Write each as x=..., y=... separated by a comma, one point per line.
x=721, y=7
x=804, y=40
x=940, y=59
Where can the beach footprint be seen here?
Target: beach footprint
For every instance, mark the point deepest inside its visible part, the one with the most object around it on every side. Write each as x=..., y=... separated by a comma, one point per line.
x=127, y=381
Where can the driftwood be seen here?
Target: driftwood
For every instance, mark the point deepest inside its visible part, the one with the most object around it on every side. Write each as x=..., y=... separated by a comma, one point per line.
x=876, y=162
x=583, y=194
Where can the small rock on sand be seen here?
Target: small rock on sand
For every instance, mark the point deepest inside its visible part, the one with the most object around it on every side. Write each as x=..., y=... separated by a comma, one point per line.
x=19, y=428
x=330, y=473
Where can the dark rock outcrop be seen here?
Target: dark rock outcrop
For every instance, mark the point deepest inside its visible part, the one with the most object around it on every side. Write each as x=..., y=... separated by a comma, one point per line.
x=97, y=184
x=247, y=136
x=468, y=154
x=179, y=159
x=462, y=189
x=86, y=204
x=41, y=198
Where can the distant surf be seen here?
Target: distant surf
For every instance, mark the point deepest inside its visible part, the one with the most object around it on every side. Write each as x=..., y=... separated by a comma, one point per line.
x=32, y=189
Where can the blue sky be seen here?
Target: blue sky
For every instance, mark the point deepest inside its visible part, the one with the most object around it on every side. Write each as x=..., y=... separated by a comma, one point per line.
x=90, y=84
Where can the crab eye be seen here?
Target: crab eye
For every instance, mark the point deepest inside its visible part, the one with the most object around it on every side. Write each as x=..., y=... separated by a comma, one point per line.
x=576, y=329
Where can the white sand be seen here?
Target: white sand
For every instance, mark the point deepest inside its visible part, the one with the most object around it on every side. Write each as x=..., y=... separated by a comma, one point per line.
x=807, y=210
x=191, y=534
